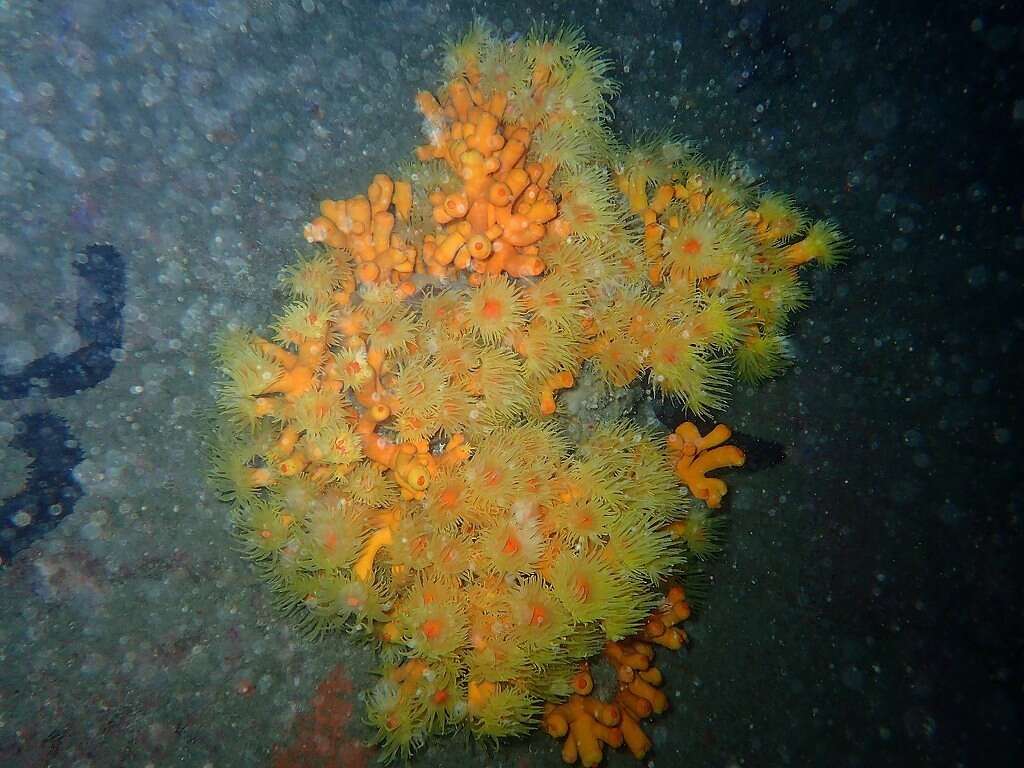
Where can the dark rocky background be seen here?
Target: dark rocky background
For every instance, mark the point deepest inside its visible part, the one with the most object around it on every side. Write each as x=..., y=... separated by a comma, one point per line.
x=867, y=610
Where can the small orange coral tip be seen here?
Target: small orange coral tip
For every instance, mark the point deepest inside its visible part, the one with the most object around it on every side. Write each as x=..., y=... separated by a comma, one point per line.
x=456, y=206
x=499, y=194
x=446, y=251
x=368, y=272
x=380, y=192
x=403, y=199
x=479, y=247
x=636, y=740
x=582, y=682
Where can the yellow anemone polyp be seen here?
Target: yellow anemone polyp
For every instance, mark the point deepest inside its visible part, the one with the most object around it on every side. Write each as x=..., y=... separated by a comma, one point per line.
x=434, y=624
x=823, y=242
x=512, y=548
x=495, y=309
x=583, y=585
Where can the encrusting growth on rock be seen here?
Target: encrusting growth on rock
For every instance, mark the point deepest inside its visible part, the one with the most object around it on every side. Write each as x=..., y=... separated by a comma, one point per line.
x=397, y=449
x=588, y=724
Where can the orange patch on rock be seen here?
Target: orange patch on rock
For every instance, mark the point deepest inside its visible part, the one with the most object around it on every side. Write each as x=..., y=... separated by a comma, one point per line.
x=320, y=737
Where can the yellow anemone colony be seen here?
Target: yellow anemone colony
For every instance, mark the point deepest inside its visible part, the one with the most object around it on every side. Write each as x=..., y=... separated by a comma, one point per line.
x=397, y=449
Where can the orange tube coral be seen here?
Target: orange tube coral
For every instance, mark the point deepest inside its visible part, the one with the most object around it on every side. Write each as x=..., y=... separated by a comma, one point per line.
x=587, y=725
x=696, y=455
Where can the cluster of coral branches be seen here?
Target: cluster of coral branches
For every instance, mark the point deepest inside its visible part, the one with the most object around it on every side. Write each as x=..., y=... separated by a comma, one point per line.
x=397, y=450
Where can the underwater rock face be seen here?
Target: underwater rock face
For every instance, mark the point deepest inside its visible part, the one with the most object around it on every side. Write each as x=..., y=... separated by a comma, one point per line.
x=395, y=451
x=320, y=737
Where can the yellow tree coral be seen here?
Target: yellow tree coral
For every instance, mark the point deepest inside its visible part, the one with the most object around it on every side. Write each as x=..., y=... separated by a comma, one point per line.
x=397, y=453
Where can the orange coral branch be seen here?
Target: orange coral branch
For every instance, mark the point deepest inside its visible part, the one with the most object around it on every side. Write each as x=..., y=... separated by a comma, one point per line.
x=587, y=725
x=661, y=627
x=364, y=565
x=695, y=455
